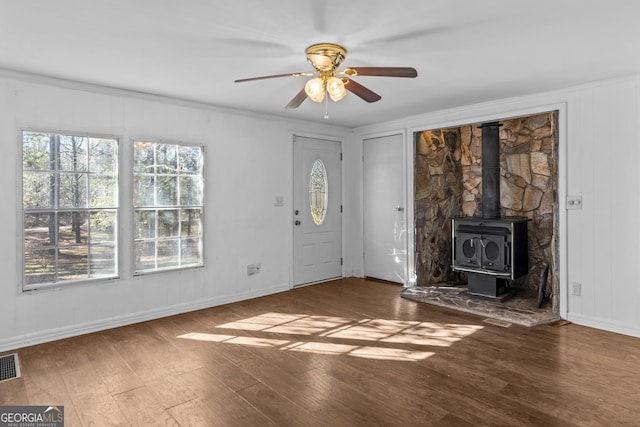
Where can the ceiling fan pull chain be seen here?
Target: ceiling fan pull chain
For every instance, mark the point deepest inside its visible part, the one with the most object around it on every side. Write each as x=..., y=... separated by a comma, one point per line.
x=326, y=107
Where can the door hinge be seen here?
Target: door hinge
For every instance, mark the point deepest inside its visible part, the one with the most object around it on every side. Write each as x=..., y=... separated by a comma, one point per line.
x=340, y=155
x=340, y=208
x=340, y=261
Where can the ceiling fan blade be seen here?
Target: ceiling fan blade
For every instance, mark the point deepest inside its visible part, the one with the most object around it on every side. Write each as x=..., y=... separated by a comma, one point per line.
x=297, y=100
x=364, y=93
x=381, y=71
x=273, y=77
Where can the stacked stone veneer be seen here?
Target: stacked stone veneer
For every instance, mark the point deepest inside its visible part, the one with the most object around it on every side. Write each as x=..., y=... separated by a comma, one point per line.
x=448, y=180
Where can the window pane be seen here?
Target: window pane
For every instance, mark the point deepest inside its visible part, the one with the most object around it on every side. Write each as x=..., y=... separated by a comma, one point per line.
x=168, y=223
x=167, y=191
x=73, y=263
x=39, y=230
x=168, y=204
x=190, y=159
x=191, y=190
x=40, y=266
x=38, y=190
x=143, y=191
x=166, y=159
x=73, y=190
x=103, y=261
x=73, y=153
x=191, y=223
x=58, y=183
x=103, y=226
x=72, y=228
x=102, y=191
x=168, y=255
x=191, y=252
x=143, y=157
x=36, y=151
x=144, y=224
x=145, y=255
x=103, y=155
x=318, y=192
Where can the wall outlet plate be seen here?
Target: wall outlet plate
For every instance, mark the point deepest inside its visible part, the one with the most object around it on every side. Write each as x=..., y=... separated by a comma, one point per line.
x=576, y=289
x=251, y=269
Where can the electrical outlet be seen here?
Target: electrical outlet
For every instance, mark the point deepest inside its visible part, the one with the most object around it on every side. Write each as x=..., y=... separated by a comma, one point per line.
x=576, y=289
x=251, y=269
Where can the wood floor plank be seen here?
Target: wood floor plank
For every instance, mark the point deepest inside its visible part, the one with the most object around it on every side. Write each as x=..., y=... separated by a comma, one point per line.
x=190, y=414
x=14, y=392
x=142, y=409
x=221, y=404
x=170, y=390
x=278, y=408
x=112, y=369
x=44, y=383
x=345, y=353
x=94, y=404
x=315, y=399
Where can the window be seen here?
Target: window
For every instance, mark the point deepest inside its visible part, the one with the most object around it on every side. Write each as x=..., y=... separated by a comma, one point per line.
x=318, y=192
x=70, y=208
x=168, y=201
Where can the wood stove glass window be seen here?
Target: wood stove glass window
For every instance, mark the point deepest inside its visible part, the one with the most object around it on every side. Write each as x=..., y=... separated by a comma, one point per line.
x=495, y=252
x=468, y=253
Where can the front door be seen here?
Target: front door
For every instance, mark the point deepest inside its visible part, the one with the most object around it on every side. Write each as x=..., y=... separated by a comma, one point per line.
x=317, y=219
x=385, y=239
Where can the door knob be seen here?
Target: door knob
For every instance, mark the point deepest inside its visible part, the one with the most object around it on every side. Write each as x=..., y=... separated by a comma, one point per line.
x=297, y=222
x=296, y=212
x=399, y=208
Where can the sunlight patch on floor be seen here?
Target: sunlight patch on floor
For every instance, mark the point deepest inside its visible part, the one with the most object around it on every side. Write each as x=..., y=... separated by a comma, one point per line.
x=339, y=336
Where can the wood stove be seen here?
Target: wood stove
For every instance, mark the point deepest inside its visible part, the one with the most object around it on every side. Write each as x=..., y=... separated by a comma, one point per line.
x=492, y=250
x=493, y=253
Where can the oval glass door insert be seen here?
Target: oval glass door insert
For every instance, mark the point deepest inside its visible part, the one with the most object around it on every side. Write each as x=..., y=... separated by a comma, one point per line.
x=318, y=187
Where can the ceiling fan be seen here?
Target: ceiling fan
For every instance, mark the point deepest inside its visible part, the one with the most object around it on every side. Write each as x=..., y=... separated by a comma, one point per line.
x=325, y=58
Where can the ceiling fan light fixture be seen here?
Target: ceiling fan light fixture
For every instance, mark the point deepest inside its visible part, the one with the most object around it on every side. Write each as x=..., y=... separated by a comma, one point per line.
x=315, y=89
x=336, y=89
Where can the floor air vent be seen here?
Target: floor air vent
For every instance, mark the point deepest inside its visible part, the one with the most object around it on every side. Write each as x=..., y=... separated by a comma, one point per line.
x=9, y=367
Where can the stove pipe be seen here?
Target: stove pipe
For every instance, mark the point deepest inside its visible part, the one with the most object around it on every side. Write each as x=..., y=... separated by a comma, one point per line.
x=490, y=170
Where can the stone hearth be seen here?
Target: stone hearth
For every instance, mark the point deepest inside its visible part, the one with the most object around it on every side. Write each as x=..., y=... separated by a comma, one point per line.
x=520, y=309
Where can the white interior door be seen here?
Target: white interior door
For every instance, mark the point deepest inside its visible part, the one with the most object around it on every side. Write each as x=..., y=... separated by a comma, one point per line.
x=317, y=228
x=384, y=216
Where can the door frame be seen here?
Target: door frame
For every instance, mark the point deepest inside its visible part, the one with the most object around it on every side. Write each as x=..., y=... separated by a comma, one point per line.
x=290, y=216
x=407, y=200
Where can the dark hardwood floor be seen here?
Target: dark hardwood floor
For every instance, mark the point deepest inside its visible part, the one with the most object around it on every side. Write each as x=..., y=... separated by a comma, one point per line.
x=344, y=353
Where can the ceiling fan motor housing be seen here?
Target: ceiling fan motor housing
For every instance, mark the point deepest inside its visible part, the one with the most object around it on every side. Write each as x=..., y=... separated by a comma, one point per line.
x=326, y=57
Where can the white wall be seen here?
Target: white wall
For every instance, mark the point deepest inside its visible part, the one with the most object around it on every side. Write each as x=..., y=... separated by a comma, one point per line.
x=248, y=163
x=599, y=160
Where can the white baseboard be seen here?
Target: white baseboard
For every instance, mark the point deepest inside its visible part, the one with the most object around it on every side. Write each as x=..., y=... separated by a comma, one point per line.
x=605, y=324
x=53, y=334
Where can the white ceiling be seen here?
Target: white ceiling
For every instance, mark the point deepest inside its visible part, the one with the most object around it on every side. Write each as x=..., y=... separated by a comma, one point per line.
x=465, y=51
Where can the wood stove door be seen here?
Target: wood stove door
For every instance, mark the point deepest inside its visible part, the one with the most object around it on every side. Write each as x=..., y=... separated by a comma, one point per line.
x=495, y=253
x=468, y=252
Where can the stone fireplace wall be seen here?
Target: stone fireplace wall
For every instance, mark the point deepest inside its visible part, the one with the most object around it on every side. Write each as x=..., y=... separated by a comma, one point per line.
x=448, y=183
